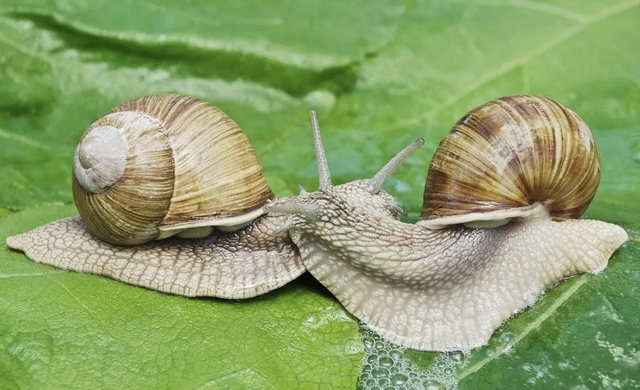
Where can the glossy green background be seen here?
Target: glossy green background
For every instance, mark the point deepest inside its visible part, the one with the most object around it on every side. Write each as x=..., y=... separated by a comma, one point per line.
x=380, y=74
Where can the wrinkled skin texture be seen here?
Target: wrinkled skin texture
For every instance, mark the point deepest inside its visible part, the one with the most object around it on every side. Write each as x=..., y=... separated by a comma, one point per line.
x=440, y=290
x=235, y=265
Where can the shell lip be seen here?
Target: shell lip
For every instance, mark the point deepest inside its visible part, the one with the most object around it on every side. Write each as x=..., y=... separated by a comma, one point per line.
x=487, y=219
x=227, y=221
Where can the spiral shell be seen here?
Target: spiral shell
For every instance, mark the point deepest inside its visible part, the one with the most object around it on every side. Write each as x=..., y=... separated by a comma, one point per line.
x=508, y=155
x=160, y=164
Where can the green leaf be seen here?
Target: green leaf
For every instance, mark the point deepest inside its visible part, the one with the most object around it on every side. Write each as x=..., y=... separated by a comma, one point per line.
x=380, y=77
x=69, y=330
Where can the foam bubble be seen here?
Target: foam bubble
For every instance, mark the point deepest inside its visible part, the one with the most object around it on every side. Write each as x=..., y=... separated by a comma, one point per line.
x=385, y=367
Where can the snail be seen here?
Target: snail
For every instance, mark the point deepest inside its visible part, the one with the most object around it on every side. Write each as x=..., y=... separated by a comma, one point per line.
x=476, y=257
x=497, y=229
x=161, y=166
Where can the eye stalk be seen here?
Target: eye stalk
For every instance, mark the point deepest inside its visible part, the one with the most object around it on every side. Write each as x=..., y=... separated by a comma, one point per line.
x=297, y=206
x=376, y=182
x=324, y=175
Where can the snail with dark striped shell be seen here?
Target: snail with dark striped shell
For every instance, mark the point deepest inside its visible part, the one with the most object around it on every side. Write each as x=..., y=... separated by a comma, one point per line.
x=497, y=228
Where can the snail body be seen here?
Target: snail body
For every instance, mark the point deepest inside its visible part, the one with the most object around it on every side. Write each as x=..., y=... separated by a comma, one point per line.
x=449, y=281
x=160, y=166
x=233, y=265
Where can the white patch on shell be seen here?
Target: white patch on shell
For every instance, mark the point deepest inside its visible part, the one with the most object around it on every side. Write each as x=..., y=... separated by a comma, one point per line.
x=100, y=159
x=487, y=219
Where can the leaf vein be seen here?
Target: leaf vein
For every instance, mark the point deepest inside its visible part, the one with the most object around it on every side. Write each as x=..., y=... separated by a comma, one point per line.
x=22, y=139
x=21, y=49
x=525, y=4
x=27, y=275
x=523, y=59
x=534, y=325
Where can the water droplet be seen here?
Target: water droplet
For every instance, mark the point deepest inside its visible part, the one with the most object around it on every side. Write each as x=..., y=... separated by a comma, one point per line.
x=399, y=379
x=368, y=342
x=395, y=354
x=505, y=337
x=386, y=361
x=434, y=385
x=387, y=368
x=380, y=372
x=352, y=348
x=456, y=356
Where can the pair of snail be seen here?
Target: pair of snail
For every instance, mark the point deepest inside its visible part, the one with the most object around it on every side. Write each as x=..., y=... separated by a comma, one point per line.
x=497, y=229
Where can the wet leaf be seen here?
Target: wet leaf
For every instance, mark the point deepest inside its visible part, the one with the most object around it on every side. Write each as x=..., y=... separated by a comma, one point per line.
x=380, y=77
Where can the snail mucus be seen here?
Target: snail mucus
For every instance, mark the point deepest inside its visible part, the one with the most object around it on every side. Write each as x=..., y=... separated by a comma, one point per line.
x=498, y=228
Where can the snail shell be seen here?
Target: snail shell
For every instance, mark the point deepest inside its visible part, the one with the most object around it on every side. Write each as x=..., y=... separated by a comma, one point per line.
x=505, y=156
x=160, y=164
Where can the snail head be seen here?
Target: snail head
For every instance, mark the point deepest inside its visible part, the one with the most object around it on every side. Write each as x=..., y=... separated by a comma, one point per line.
x=343, y=201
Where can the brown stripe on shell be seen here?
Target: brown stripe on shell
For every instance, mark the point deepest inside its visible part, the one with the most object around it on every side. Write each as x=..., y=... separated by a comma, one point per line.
x=513, y=152
x=217, y=170
x=129, y=212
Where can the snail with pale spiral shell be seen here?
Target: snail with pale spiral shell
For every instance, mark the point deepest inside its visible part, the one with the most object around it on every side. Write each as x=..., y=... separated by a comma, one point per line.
x=497, y=229
x=160, y=166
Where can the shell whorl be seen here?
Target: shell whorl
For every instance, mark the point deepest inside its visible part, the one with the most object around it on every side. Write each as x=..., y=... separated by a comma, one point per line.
x=100, y=158
x=186, y=165
x=511, y=153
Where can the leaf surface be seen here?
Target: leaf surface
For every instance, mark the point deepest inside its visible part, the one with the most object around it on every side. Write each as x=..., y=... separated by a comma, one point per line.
x=380, y=77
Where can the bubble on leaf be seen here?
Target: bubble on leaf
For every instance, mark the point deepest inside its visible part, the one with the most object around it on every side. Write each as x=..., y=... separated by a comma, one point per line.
x=385, y=367
x=368, y=342
x=431, y=384
x=352, y=348
x=386, y=361
x=399, y=379
x=380, y=372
